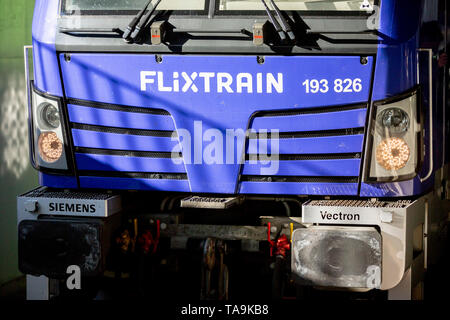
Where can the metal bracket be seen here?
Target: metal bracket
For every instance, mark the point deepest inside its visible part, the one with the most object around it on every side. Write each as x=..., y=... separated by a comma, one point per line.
x=258, y=33
x=157, y=32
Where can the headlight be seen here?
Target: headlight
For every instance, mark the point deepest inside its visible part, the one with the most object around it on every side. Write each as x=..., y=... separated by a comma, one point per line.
x=394, y=145
x=49, y=116
x=392, y=120
x=47, y=133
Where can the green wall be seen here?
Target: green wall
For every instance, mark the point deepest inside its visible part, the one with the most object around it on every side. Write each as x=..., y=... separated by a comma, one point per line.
x=16, y=174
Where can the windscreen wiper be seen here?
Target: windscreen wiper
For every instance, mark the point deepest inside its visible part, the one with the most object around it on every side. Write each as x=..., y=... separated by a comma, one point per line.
x=90, y=30
x=274, y=22
x=135, y=21
x=284, y=23
x=143, y=21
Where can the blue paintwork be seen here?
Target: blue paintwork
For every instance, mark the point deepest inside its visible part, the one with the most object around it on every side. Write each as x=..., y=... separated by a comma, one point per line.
x=114, y=79
x=316, y=145
x=134, y=184
x=119, y=119
x=57, y=181
x=103, y=140
x=396, y=67
x=280, y=188
x=128, y=164
x=313, y=122
x=46, y=70
x=396, y=72
x=315, y=168
x=396, y=189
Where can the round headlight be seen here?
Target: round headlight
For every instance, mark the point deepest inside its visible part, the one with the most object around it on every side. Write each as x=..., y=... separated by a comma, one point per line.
x=395, y=120
x=49, y=115
x=50, y=147
x=393, y=154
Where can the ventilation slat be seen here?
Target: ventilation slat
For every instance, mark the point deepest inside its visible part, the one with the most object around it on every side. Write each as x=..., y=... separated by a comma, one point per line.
x=120, y=119
x=104, y=140
x=320, y=145
x=316, y=168
x=307, y=188
x=312, y=122
x=134, y=183
x=99, y=162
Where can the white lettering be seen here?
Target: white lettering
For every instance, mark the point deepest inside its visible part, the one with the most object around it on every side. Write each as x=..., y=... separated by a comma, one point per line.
x=207, y=80
x=221, y=84
x=248, y=83
x=176, y=82
x=224, y=82
x=145, y=80
x=259, y=83
x=189, y=81
x=161, y=83
x=276, y=84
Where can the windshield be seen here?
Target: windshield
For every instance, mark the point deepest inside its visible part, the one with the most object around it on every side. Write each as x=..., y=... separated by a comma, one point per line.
x=106, y=6
x=298, y=5
x=70, y=7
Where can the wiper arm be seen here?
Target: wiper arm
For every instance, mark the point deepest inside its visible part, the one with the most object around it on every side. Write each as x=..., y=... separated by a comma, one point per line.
x=135, y=21
x=284, y=23
x=274, y=22
x=144, y=20
x=90, y=30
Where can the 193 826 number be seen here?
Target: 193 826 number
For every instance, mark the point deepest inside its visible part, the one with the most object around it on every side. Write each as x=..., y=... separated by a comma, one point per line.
x=339, y=85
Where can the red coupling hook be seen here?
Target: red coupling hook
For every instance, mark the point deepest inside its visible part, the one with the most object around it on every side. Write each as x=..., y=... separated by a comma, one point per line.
x=146, y=239
x=281, y=245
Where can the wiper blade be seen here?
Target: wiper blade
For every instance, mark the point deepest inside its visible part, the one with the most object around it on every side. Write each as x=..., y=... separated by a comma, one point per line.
x=274, y=22
x=284, y=23
x=135, y=21
x=144, y=21
x=91, y=30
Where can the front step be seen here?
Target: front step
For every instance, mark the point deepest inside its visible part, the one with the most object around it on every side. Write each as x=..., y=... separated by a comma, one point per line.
x=198, y=202
x=45, y=201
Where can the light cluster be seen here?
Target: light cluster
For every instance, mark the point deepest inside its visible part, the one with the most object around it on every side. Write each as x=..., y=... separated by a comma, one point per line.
x=50, y=147
x=50, y=115
x=393, y=154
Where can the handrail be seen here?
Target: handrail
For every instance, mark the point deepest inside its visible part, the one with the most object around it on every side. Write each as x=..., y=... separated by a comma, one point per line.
x=444, y=93
x=26, y=51
x=430, y=105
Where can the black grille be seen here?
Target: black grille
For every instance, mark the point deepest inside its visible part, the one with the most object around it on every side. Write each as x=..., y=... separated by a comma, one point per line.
x=135, y=132
x=279, y=121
